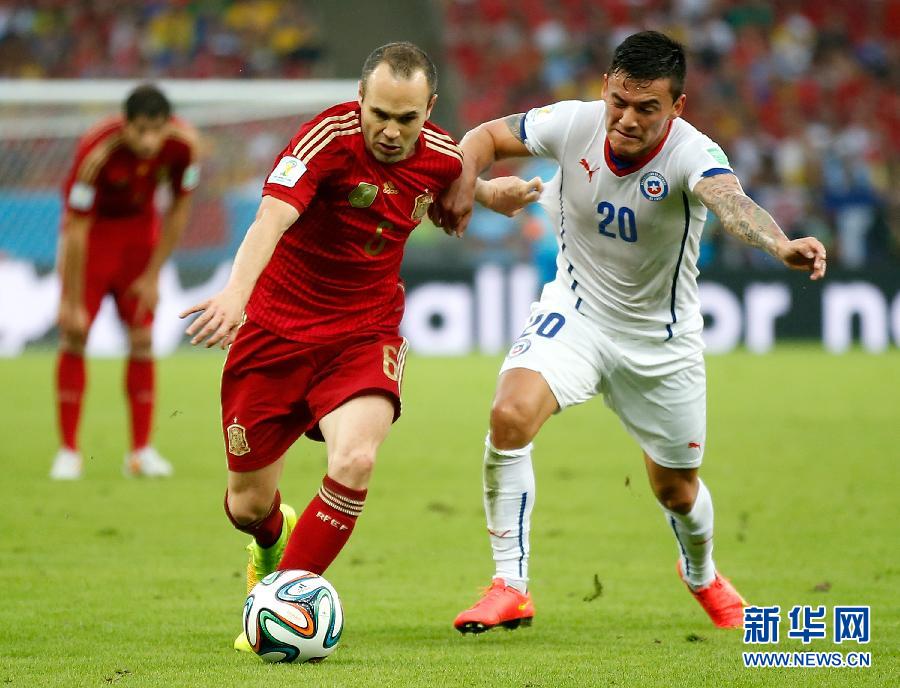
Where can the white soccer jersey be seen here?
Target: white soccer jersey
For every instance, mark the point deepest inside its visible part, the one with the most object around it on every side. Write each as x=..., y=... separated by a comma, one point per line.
x=629, y=238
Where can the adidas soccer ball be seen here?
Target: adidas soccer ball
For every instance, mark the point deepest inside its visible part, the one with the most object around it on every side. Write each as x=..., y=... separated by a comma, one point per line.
x=293, y=616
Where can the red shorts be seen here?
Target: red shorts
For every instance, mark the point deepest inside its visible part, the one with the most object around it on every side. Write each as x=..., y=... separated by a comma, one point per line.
x=274, y=389
x=118, y=252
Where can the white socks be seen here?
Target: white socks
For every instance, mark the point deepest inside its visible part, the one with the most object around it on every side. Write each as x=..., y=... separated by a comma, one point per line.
x=694, y=533
x=508, y=501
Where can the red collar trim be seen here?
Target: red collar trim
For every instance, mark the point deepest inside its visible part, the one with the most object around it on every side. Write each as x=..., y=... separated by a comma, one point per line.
x=637, y=164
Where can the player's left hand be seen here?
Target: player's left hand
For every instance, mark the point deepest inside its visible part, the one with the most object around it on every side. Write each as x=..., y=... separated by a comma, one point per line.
x=146, y=290
x=807, y=253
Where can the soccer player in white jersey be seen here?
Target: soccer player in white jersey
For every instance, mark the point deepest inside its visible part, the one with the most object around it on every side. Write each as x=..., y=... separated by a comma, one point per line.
x=622, y=318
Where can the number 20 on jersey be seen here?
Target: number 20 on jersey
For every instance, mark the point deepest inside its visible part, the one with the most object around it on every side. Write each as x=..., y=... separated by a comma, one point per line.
x=626, y=223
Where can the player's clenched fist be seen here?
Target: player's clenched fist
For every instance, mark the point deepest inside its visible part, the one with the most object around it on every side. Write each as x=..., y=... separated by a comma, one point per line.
x=452, y=210
x=508, y=195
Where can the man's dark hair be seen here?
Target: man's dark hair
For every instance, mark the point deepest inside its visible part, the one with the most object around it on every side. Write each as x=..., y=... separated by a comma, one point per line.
x=404, y=60
x=649, y=55
x=149, y=101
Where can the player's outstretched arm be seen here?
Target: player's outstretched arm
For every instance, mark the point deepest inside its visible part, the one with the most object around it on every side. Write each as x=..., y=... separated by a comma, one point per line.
x=744, y=219
x=221, y=315
x=494, y=140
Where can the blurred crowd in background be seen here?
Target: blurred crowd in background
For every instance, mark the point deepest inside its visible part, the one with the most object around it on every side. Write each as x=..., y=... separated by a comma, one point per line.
x=802, y=94
x=91, y=39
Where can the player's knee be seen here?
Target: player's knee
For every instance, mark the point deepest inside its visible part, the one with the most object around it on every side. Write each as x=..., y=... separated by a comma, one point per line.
x=72, y=342
x=244, y=508
x=352, y=468
x=675, y=497
x=512, y=425
x=140, y=343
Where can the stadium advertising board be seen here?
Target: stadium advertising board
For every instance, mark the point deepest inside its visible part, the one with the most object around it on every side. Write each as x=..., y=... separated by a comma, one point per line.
x=456, y=311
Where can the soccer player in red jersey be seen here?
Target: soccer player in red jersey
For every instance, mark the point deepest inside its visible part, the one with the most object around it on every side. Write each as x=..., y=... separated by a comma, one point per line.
x=113, y=242
x=318, y=274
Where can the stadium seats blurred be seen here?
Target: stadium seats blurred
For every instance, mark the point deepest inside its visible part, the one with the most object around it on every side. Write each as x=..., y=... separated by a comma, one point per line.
x=153, y=38
x=801, y=93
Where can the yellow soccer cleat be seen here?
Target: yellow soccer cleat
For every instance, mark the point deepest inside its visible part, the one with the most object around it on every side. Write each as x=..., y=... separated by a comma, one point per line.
x=262, y=561
x=241, y=644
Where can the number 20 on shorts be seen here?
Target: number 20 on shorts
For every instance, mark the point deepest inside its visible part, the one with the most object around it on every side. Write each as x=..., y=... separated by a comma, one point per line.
x=544, y=325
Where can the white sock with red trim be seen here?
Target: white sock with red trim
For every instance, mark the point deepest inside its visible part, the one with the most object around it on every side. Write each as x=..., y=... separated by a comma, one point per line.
x=508, y=501
x=694, y=533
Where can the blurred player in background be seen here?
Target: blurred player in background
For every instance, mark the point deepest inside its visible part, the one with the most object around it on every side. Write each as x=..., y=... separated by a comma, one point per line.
x=111, y=243
x=318, y=273
x=622, y=317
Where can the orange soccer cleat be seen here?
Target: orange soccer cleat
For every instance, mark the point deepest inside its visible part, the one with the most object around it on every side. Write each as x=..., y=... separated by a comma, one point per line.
x=500, y=605
x=721, y=601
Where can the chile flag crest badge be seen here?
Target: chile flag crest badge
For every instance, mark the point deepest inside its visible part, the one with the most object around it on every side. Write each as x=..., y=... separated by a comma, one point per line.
x=654, y=186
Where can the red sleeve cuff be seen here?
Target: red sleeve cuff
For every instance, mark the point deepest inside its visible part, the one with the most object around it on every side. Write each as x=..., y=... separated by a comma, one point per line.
x=298, y=205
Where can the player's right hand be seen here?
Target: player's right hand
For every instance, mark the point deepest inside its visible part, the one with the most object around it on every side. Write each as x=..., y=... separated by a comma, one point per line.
x=219, y=320
x=509, y=195
x=807, y=253
x=73, y=318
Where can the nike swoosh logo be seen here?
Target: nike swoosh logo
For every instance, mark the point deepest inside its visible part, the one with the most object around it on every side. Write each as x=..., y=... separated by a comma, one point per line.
x=522, y=606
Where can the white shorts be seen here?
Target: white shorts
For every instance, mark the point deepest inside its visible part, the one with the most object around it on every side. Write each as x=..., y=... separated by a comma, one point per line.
x=657, y=389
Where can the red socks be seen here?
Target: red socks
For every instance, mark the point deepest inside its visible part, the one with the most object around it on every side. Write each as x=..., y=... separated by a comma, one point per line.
x=321, y=531
x=69, y=393
x=266, y=530
x=324, y=527
x=139, y=383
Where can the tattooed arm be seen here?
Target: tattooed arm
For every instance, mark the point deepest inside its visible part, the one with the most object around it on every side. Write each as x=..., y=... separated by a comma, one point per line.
x=494, y=140
x=486, y=143
x=744, y=219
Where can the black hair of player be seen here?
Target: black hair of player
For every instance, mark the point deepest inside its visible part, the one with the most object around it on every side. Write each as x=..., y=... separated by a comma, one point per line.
x=649, y=55
x=148, y=101
x=404, y=60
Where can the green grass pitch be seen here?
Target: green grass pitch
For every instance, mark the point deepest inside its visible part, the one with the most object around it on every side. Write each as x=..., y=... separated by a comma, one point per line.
x=134, y=583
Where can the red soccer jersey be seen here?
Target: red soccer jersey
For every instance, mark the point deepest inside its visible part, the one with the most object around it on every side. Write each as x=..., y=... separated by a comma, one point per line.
x=337, y=268
x=108, y=180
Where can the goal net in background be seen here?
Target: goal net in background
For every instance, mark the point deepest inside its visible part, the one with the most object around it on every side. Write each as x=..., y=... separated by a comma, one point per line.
x=243, y=126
